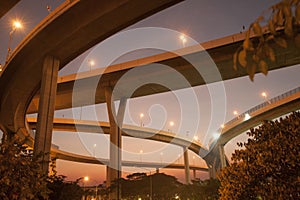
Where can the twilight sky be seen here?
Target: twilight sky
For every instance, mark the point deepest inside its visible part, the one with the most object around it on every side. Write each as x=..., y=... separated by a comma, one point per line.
x=200, y=20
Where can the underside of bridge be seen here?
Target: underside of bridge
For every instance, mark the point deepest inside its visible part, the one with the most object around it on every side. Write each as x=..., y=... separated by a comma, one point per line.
x=54, y=43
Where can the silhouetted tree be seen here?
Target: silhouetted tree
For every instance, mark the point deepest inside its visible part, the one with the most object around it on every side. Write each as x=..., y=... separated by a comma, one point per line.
x=62, y=189
x=139, y=185
x=20, y=173
x=200, y=190
x=268, y=167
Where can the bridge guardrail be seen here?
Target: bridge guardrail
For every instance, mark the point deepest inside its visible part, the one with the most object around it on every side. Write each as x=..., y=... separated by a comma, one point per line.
x=264, y=104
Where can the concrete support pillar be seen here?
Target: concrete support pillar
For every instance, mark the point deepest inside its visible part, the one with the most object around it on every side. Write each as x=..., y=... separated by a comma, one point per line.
x=194, y=174
x=115, y=154
x=222, y=156
x=43, y=137
x=186, y=165
x=213, y=170
x=157, y=170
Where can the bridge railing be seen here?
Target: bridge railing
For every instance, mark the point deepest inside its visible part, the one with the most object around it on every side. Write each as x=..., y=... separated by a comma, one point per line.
x=264, y=104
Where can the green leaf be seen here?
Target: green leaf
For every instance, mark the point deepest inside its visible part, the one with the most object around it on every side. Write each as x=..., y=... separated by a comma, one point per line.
x=242, y=58
x=263, y=67
x=279, y=18
x=288, y=27
x=269, y=51
x=271, y=27
x=251, y=71
x=257, y=28
x=281, y=42
x=287, y=11
x=235, y=57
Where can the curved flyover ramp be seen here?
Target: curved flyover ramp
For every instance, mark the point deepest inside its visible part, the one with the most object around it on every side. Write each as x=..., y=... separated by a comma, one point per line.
x=5, y=6
x=65, y=33
x=269, y=110
x=64, y=155
x=71, y=125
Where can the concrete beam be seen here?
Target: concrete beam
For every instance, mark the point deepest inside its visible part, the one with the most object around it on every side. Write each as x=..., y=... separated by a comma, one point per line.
x=43, y=137
x=186, y=165
x=5, y=6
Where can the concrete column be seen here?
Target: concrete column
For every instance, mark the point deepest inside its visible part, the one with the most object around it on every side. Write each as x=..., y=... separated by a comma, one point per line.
x=186, y=165
x=115, y=154
x=43, y=137
x=157, y=170
x=194, y=174
x=213, y=170
x=222, y=156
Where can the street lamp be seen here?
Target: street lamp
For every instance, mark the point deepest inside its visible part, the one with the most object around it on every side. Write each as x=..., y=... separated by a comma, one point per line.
x=235, y=113
x=91, y=63
x=171, y=125
x=141, y=119
x=265, y=96
x=196, y=138
x=141, y=152
x=95, y=145
x=85, y=179
x=183, y=39
x=16, y=24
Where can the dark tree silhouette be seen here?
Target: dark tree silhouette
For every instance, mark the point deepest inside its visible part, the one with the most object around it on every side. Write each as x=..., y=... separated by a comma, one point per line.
x=20, y=173
x=268, y=167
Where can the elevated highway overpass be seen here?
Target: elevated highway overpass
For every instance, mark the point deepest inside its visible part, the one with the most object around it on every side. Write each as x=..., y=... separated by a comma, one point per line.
x=64, y=155
x=5, y=6
x=269, y=110
x=73, y=125
x=61, y=37
x=220, y=51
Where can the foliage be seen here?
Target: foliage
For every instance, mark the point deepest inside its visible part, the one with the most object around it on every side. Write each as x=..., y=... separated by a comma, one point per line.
x=268, y=167
x=258, y=52
x=201, y=190
x=63, y=190
x=20, y=173
x=139, y=185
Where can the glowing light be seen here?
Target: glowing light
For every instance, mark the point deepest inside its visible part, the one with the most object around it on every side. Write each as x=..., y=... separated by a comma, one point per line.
x=17, y=24
x=86, y=178
x=95, y=145
x=171, y=123
x=141, y=119
x=183, y=39
x=92, y=62
x=222, y=125
x=235, y=112
x=196, y=137
x=141, y=151
x=216, y=136
x=247, y=116
x=264, y=94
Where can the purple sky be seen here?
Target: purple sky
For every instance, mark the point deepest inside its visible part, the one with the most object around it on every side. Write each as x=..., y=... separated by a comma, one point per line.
x=202, y=21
